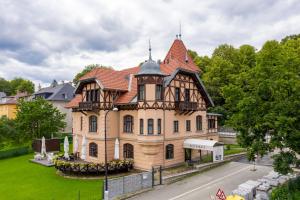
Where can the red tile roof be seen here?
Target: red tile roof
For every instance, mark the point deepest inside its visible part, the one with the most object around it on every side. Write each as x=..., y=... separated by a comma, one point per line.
x=119, y=80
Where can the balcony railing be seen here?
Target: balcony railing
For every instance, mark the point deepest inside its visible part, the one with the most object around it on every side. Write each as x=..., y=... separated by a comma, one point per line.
x=88, y=106
x=186, y=106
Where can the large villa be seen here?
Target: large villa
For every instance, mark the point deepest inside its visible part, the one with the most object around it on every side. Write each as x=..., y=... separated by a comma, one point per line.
x=157, y=112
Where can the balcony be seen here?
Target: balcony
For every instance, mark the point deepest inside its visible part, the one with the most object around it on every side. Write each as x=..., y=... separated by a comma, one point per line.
x=186, y=106
x=88, y=106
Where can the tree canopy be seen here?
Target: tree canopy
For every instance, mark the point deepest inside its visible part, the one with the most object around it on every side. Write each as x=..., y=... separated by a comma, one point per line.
x=259, y=95
x=38, y=118
x=16, y=85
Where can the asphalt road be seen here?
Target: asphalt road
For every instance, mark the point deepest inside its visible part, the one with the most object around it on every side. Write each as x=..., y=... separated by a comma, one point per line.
x=206, y=184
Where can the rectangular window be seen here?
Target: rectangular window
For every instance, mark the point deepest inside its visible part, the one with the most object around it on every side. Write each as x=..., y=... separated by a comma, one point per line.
x=141, y=126
x=199, y=123
x=87, y=95
x=176, y=126
x=158, y=126
x=158, y=93
x=141, y=92
x=187, y=95
x=177, y=94
x=211, y=123
x=150, y=126
x=188, y=125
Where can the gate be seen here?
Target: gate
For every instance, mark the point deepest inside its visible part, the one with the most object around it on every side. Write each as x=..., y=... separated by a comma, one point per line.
x=157, y=175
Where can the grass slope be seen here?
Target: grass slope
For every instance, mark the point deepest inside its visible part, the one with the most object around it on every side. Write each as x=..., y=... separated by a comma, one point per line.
x=23, y=180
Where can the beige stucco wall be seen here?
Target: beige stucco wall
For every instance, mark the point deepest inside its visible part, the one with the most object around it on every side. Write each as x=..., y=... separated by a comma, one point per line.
x=8, y=110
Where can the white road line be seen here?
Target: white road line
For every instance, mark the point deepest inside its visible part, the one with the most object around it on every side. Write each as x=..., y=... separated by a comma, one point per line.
x=212, y=182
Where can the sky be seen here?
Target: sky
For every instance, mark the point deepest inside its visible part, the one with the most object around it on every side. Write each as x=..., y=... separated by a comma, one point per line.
x=42, y=40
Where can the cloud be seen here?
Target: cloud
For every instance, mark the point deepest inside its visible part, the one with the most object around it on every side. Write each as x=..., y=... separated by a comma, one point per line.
x=45, y=40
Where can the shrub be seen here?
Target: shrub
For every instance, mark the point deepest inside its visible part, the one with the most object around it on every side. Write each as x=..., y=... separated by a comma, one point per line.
x=83, y=168
x=14, y=152
x=289, y=191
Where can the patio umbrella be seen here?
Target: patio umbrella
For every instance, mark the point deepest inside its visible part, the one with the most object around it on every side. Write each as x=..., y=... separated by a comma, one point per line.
x=117, y=147
x=75, y=144
x=83, y=148
x=43, y=148
x=66, y=147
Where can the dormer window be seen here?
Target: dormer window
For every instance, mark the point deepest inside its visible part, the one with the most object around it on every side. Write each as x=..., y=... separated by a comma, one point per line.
x=92, y=95
x=141, y=92
x=64, y=96
x=187, y=95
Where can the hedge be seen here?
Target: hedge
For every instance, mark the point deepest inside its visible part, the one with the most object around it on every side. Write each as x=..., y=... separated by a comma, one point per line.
x=14, y=152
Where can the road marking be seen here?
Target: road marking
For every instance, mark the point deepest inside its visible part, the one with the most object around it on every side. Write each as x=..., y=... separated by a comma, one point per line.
x=212, y=182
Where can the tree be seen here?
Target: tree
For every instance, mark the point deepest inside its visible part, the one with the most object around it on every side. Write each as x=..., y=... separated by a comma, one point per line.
x=38, y=118
x=266, y=101
x=8, y=132
x=222, y=68
x=86, y=69
x=5, y=86
x=21, y=85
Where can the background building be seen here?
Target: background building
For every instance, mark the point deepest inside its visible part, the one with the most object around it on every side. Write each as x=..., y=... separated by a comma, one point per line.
x=8, y=104
x=59, y=95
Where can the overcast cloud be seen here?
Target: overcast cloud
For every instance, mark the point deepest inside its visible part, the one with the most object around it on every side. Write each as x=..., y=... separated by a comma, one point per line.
x=44, y=40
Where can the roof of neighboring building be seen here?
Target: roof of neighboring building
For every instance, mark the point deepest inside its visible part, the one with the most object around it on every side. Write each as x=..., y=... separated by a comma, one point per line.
x=13, y=99
x=125, y=81
x=59, y=92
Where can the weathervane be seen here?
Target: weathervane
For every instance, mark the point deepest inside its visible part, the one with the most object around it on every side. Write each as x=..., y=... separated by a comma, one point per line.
x=150, y=57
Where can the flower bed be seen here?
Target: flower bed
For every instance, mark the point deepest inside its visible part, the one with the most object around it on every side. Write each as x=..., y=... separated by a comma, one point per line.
x=78, y=167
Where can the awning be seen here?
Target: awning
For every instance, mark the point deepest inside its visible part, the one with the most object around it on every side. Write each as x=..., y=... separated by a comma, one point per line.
x=200, y=144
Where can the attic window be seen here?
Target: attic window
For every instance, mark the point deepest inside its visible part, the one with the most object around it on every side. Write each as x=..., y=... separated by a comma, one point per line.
x=64, y=96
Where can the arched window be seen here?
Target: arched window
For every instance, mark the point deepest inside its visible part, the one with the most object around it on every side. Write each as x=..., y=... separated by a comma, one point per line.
x=93, y=123
x=128, y=124
x=199, y=123
x=170, y=151
x=128, y=150
x=93, y=149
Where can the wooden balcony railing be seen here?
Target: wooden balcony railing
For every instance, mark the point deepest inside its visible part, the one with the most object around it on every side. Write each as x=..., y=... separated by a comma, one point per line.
x=88, y=106
x=186, y=106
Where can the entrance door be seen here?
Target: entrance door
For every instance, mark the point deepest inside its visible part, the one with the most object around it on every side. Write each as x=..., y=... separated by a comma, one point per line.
x=188, y=155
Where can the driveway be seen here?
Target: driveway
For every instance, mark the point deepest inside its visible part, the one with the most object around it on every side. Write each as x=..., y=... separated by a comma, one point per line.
x=206, y=184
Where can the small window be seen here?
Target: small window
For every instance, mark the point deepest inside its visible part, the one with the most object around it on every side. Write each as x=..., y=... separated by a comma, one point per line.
x=187, y=95
x=128, y=124
x=128, y=151
x=177, y=94
x=170, y=151
x=64, y=96
x=93, y=149
x=211, y=123
x=141, y=126
x=158, y=93
x=150, y=126
x=176, y=126
x=81, y=123
x=188, y=125
x=141, y=93
x=158, y=126
x=93, y=123
x=199, y=123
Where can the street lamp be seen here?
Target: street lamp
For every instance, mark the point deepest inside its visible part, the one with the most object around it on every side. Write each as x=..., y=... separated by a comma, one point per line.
x=105, y=150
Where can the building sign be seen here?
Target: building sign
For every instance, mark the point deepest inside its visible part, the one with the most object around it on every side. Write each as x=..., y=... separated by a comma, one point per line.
x=197, y=146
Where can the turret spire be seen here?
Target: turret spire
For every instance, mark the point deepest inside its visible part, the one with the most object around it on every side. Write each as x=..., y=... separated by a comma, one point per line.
x=179, y=31
x=150, y=56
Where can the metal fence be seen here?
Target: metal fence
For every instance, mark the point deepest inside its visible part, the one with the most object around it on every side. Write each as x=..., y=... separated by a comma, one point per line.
x=128, y=184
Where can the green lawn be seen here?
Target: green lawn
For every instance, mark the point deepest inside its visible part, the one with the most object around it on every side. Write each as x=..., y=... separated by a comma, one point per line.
x=23, y=180
x=234, y=149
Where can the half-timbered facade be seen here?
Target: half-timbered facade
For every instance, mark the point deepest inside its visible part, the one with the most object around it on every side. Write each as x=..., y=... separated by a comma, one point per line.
x=160, y=105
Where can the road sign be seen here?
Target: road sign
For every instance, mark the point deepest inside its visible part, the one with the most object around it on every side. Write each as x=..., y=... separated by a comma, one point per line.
x=221, y=195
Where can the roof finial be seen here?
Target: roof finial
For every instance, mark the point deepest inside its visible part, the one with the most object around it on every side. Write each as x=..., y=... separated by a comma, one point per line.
x=179, y=30
x=150, y=57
